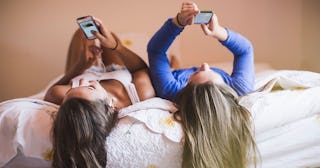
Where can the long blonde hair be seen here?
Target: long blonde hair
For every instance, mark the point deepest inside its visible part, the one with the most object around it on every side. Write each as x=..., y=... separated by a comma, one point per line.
x=218, y=131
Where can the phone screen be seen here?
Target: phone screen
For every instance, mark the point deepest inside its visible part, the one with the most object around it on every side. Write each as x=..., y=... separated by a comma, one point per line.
x=203, y=17
x=87, y=24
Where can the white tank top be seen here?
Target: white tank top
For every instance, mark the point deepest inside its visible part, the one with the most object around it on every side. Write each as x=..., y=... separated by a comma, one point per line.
x=118, y=73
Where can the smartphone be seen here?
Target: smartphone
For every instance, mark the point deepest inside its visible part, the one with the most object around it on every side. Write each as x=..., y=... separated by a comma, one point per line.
x=87, y=24
x=203, y=17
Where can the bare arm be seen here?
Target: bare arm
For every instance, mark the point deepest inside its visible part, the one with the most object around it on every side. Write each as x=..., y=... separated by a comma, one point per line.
x=131, y=60
x=55, y=93
x=110, y=41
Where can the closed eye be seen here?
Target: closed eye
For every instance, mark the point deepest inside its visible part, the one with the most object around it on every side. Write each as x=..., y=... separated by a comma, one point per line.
x=91, y=88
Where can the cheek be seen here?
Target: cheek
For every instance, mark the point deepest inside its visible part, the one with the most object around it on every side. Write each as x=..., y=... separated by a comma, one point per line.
x=217, y=79
x=102, y=93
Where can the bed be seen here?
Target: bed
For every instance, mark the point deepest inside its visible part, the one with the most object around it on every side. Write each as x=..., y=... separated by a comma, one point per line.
x=285, y=108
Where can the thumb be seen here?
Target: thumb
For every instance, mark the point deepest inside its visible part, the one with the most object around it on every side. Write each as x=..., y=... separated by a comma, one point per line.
x=205, y=29
x=102, y=29
x=99, y=36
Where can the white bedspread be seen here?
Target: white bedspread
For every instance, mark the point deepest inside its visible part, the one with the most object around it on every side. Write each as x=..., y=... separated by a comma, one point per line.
x=146, y=135
x=296, y=97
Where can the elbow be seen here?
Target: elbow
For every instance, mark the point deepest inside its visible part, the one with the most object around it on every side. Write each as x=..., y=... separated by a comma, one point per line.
x=248, y=50
x=150, y=46
x=154, y=46
x=53, y=96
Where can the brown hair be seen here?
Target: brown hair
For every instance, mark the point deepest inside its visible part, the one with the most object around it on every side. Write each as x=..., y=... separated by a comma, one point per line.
x=218, y=131
x=79, y=133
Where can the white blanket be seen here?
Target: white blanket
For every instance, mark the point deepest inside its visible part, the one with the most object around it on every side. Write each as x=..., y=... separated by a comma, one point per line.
x=283, y=97
x=146, y=135
x=25, y=125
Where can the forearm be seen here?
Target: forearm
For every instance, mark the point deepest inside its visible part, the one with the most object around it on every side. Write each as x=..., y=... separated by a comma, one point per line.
x=221, y=34
x=237, y=44
x=132, y=61
x=56, y=92
x=158, y=46
x=69, y=75
x=159, y=65
x=242, y=49
x=164, y=37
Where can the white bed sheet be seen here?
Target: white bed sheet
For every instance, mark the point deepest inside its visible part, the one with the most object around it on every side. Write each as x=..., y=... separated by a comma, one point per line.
x=292, y=145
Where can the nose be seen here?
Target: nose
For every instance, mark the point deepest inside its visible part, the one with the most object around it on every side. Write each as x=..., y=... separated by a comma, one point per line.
x=204, y=67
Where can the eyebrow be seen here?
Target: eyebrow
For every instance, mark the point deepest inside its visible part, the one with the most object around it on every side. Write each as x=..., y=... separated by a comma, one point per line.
x=68, y=91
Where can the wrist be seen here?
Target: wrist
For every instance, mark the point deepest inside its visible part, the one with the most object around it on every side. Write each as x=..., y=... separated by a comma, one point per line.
x=117, y=43
x=116, y=46
x=177, y=21
x=221, y=34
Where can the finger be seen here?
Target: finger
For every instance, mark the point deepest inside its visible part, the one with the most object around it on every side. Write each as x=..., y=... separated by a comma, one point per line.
x=187, y=3
x=187, y=7
x=93, y=83
x=97, y=21
x=210, y=24
x=190, y=6
x=205, y=29
x=103, y=29
x=191, y=12
x=99, y=36
x=83, y=82
x=195, y=7
x=190, y=17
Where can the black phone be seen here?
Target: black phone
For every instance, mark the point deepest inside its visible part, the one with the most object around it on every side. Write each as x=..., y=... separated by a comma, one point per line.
x=203, y=17
x=87, y=25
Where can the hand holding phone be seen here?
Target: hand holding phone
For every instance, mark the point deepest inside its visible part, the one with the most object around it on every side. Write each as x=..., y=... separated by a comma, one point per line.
x=203, y=17
x=88, y=25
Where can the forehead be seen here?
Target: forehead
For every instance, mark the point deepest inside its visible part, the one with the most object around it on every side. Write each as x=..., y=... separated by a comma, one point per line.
x=205, y=76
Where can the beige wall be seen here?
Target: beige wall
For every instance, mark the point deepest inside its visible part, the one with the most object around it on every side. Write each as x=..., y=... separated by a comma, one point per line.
x=311, y=35
x=35, y=34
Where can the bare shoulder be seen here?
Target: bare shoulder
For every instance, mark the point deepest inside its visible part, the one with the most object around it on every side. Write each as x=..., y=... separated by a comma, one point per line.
x=56, y=93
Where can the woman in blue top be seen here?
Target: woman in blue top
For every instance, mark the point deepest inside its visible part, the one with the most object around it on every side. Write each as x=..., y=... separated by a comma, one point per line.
x=218, y=129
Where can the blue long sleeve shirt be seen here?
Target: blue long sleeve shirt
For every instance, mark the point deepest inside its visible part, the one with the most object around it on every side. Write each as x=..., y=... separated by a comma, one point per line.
x=167, y=82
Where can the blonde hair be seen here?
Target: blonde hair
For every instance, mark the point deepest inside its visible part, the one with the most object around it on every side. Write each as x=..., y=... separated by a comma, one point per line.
x=218, y=131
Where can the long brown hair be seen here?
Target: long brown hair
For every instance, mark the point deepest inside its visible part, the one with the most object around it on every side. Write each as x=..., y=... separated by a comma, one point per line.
x=218, y=131
x=79, y=133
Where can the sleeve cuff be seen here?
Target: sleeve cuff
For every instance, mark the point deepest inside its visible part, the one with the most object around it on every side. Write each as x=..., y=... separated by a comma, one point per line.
x=176, y=29
x=228, y=38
